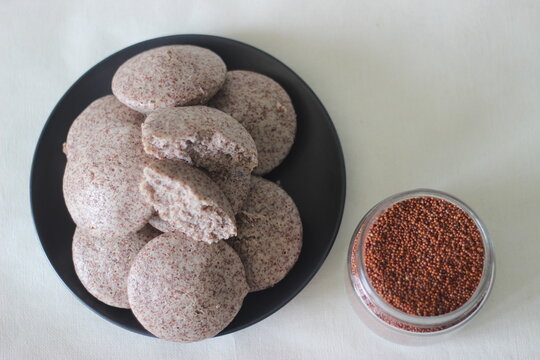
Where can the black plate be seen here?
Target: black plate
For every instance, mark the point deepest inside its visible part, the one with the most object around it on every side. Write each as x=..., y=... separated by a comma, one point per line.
x=313, y=174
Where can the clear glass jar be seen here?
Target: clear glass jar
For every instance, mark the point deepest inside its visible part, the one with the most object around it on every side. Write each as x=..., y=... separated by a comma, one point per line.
x=391, y=323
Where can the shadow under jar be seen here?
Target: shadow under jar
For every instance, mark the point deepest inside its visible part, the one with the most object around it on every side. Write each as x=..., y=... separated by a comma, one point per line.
x=420, y=266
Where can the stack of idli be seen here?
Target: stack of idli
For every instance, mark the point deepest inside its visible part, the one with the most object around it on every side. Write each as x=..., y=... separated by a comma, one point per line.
x=164, y=182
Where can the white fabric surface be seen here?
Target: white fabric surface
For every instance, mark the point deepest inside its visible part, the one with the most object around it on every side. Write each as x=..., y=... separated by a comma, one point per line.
x=438, y=94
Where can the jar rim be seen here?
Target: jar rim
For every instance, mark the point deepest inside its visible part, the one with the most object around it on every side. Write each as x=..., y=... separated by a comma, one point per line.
x=453, y=318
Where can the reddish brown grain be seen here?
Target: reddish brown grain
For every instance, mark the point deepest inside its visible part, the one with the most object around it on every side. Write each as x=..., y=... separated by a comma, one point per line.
x=424, y=256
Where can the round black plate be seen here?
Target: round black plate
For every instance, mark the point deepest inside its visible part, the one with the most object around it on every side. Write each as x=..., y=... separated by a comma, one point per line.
x=313, y=174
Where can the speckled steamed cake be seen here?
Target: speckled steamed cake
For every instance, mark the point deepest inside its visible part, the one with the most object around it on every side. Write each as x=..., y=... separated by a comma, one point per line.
x=169, y=76
x=97, y=121
x=104, y=169
x=189, y=200
x=269, y=234
x=184, y=290
x=201, y=136
x=235, y=187
x=102, y=263
x=263, y=107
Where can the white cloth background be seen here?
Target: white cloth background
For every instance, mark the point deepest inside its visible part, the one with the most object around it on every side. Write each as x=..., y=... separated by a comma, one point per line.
x=438, y=94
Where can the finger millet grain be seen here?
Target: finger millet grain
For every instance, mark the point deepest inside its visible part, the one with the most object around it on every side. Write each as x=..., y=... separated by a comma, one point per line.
x=424, y=256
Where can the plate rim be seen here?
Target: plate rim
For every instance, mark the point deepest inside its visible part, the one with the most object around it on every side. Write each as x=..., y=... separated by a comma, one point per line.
x=341, y=164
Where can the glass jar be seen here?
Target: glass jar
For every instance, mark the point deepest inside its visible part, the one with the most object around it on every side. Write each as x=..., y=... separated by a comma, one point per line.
x=396, y=325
